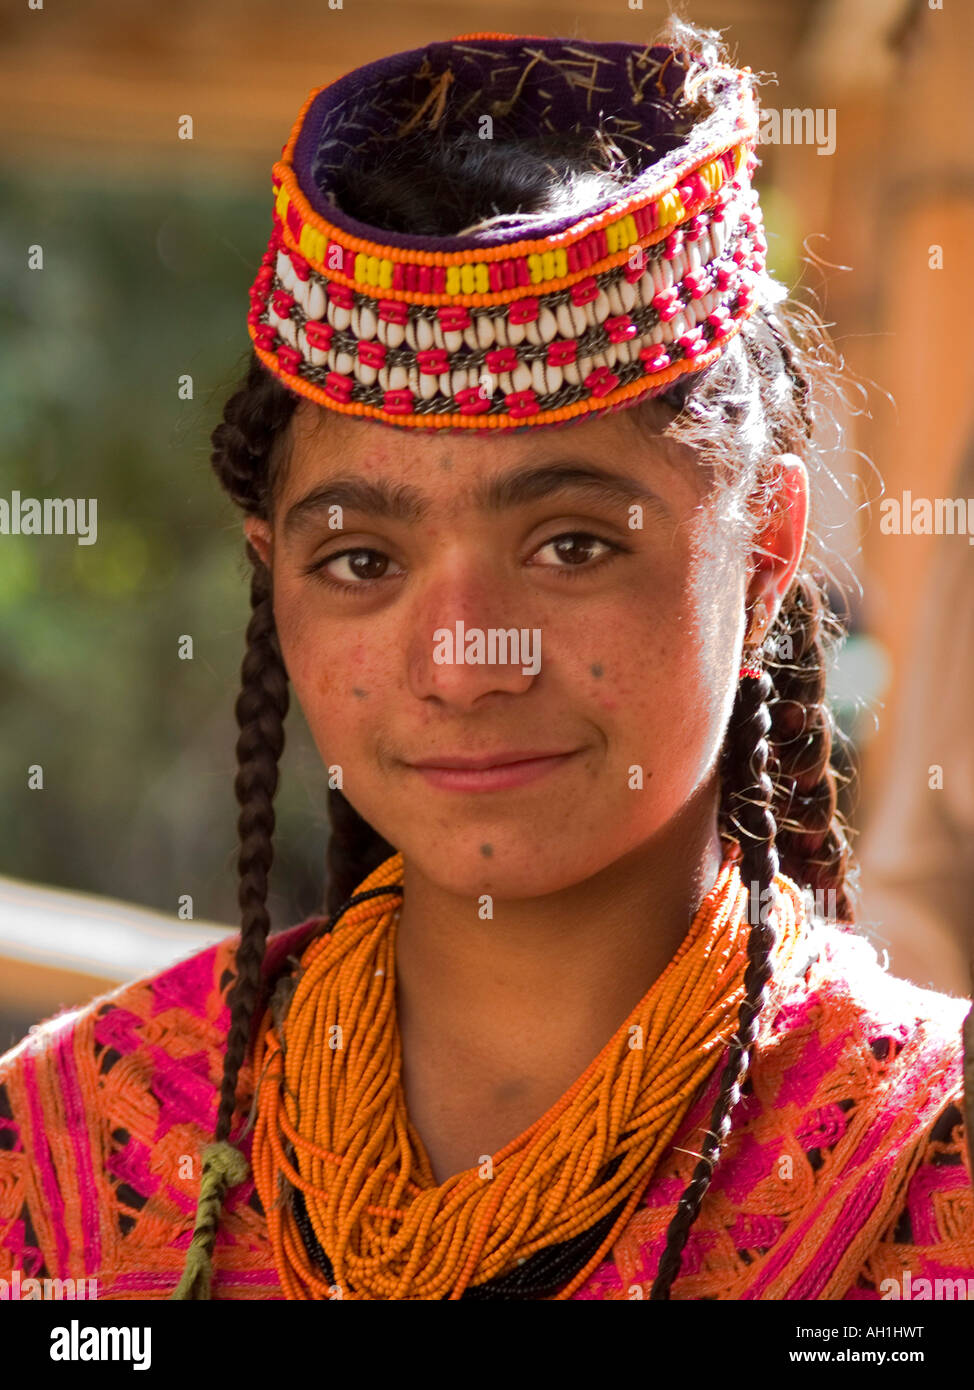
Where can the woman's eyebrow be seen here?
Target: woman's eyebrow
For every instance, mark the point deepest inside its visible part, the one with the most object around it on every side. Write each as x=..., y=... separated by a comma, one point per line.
x=403, y=502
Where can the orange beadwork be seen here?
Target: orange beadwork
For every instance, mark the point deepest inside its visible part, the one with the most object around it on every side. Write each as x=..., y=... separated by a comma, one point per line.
x=390, y=1232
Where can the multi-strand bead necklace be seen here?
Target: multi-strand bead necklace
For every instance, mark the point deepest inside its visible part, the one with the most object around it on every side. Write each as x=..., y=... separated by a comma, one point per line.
x=362, y=1215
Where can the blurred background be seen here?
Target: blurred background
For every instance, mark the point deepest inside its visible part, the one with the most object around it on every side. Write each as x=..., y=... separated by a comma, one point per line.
x=126, y=859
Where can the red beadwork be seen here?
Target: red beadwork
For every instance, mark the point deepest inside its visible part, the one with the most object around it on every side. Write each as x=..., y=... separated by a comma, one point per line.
x=453, y=317
x=501, y=359
x=472, y=400
x=696, y=282
x=524, y=310
x=318, y=334
x=338, y=386
x=620, y=329
x=290, y=358
x=561, y=352
x=655, y=356
x=282, y=303
x=584, y=291
x=667, y=303
x=520, y=403
x=394, y=311
x=433, y=361
x=693, y=343
x=342, y=295
x=372, y=354
x=601, y=381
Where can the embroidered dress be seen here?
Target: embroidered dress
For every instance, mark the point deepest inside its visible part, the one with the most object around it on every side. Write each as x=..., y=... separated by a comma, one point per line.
x=845, y=1166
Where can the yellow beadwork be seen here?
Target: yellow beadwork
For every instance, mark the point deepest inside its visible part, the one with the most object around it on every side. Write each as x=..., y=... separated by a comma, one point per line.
x=671, y=208
x=711, y=174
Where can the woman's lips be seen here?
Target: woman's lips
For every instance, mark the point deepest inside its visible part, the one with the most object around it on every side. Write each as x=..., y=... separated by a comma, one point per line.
x=497, y=778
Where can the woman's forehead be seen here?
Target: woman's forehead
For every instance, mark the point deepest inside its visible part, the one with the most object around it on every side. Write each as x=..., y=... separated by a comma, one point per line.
x=326, y=445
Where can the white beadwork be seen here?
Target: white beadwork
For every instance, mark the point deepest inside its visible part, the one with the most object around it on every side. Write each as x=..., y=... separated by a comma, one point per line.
x=554, y=378
x=521, y=376
x=516, y=333
x=392, y=334
x=547, y=324
x=571, y=373
x=285, y=270
x=316, y=302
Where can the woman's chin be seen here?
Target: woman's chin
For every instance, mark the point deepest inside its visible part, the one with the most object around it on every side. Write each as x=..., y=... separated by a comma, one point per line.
x=498, y=870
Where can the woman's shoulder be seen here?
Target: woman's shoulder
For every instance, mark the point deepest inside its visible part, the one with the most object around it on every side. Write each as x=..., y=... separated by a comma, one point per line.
x=860, y=1078
x=103, y=1108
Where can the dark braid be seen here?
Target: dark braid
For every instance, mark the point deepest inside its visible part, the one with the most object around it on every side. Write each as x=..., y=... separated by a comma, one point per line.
x=747, y=745
x=261, y=708
x=813, y=838
x=812, y=841
x=253, y=418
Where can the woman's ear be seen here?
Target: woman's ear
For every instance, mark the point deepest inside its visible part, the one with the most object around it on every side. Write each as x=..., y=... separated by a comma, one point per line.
x=780, y=545
x=261, y=537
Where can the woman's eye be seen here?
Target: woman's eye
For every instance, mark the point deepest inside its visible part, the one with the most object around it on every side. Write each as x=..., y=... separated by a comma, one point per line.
x=358, y=568
x=575, y=549
x=350, y=569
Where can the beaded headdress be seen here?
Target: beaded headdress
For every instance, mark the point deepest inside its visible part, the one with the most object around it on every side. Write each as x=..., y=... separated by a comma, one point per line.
x=515, y=325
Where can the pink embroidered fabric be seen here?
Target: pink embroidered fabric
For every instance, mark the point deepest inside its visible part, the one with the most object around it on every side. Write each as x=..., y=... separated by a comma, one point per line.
x=845, y=1175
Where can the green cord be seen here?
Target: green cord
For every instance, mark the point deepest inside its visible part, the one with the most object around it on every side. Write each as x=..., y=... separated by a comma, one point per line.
x=223, y=1166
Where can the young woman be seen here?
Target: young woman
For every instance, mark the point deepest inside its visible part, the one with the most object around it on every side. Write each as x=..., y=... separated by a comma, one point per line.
x=586, y=1017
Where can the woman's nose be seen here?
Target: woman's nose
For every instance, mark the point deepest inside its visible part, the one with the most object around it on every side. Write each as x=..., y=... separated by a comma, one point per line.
x=471, y=637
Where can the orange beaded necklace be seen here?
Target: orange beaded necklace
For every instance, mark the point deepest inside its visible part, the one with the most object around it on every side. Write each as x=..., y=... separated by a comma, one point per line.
x=330, y=1097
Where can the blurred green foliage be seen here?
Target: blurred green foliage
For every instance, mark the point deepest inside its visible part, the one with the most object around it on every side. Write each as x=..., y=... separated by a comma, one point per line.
x=139, y=286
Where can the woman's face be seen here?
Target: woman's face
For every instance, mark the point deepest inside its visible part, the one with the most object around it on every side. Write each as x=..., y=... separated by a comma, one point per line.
x=629, y=635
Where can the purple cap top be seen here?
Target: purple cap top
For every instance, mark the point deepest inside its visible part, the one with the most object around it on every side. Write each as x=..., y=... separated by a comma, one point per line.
x=527, y=86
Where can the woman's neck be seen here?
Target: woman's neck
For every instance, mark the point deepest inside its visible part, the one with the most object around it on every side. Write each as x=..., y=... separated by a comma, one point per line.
x=520, y=1004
